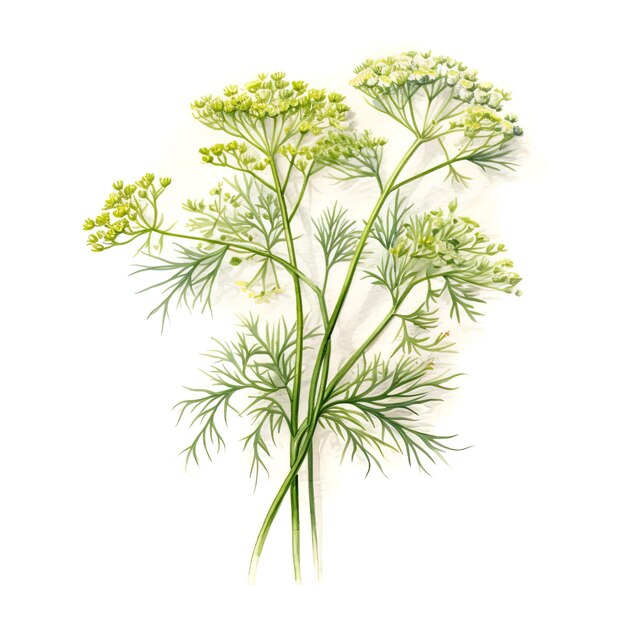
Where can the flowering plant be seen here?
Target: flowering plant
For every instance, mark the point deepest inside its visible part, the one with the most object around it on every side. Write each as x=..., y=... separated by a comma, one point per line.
x=281, y=375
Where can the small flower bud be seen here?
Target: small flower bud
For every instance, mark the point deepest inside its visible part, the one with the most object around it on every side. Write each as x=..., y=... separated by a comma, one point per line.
x=165, y=181
x=121, y=210
x=481, y=97
x=495, y=99
x=142, y=193
x=88, y=224
x=452, y=77
x=335, y=97
x=117, y=185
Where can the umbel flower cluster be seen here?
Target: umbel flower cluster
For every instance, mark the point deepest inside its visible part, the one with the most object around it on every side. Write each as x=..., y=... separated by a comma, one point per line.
x=413, y=70
x=290, y=108
x=124, y=212
x=277, y=238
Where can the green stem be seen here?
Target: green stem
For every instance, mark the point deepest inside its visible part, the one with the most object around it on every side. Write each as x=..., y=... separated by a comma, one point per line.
x=321, y=364
x=297, y=378
x=296, y=206
x=388, y=189
x=426, y=172
x=374, y=335
x=294, y=271
x=273, y=510
x=314, y=537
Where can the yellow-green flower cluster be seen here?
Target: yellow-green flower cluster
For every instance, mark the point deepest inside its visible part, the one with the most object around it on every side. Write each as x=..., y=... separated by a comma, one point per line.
x=338, y=146
x=121, y=210
x=446, y=239
x=225, y=155
x=299, y=108
x=117, y=205
x=411, y=70
x=479, y=119
x=337, y=149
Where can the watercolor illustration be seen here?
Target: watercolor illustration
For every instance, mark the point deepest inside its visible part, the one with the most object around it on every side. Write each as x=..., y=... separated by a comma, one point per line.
x=268, y=229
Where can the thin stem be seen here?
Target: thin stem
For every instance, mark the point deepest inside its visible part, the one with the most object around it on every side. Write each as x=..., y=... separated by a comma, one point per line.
x=291, y=164
x=297, y=379
x=314, y=537
x=305, y=182
x=258, y=178
x=321, y=368
x=374, y=334
x=426, y=172
x=294, y=271
x=356, y=257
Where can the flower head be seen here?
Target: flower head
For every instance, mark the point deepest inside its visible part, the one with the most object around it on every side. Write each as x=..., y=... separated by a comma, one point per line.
x=268, y=110
x=346, y=151
x=409, y=71
x=122, y=212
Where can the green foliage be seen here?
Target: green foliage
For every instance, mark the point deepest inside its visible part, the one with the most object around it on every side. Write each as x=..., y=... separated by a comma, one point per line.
x=384, y=396
x=189, y=280
x=249, y=216
x=282, y=376
x=449, y=253
x=413, y=336
x=337, y=235
x=258, y=365
x=388, y=223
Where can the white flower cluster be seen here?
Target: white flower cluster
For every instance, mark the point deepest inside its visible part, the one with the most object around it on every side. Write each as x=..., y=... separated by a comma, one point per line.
x=411, y=70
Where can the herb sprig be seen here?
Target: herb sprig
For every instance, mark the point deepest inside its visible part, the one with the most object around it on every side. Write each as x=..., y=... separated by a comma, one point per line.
x=430, y=262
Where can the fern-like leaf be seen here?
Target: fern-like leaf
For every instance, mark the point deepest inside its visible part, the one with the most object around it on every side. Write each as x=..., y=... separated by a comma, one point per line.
x=189, y=281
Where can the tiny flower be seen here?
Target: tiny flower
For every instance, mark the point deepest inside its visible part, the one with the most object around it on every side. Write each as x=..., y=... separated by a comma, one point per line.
x=121, y=210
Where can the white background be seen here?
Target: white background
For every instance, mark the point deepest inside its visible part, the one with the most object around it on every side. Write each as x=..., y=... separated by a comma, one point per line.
x=100, y=522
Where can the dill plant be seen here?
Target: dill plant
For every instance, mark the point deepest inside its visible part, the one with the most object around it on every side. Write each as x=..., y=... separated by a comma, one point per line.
x=282, y=135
